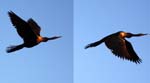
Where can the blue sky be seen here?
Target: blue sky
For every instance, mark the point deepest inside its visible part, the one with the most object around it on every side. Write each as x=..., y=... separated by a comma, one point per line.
x=49, y=62
x=80, y=22
x=95, y=19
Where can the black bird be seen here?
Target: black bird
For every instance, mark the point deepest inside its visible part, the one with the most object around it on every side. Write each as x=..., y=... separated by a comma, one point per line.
x=119, y=46
x=29, y=31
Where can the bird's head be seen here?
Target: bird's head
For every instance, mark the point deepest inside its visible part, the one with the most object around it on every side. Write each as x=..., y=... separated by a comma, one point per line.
x=128, y=35
x=45, y=39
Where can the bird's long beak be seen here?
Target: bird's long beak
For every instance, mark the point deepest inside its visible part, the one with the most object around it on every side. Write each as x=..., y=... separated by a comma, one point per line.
x=55, y=37
x=140, y=34
x=147, y=34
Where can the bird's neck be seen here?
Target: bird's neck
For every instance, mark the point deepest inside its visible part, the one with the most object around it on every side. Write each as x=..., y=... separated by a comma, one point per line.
x=122, y=35
x=39, y=39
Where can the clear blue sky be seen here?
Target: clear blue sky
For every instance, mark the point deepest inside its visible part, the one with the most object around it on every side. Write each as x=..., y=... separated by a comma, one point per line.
x=95, y=19
x=50, y=62
x=83, y=21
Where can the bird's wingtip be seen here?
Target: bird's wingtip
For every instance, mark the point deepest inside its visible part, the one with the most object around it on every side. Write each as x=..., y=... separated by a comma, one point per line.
x=139, y=61
x=10, y=11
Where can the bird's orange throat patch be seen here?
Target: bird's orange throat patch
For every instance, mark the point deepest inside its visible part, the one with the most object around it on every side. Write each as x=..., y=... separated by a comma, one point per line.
x=39, y=39
x=123, y=34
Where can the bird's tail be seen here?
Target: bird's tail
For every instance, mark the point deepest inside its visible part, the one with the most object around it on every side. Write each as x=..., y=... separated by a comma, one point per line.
x=95, y=43
x=14, y=48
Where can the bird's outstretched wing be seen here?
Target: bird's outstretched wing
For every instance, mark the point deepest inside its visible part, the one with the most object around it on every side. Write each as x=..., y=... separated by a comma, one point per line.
x=35, y=27
x=123, y=49
x=132, y=53
x=23, y=28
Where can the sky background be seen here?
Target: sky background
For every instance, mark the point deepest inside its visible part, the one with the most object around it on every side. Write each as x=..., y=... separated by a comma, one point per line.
x=50, y=62
x=95, y=19
x=83, y=21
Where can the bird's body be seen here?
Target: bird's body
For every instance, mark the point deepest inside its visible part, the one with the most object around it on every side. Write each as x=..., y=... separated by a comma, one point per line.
x=119, y=45
x=29, y=31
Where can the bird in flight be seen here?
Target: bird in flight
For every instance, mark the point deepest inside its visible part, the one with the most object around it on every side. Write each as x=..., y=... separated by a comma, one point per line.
x=29, y=31
x=119, y=46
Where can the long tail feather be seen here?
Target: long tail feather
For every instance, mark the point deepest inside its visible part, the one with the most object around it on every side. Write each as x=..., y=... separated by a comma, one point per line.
x=95, y=43
x=14, y=48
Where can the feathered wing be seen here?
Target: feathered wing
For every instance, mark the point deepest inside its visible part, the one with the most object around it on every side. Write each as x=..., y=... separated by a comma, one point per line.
x=23, y=28
x=35, y=27
x=95, y=43
x=123, y=49
x=14, y=48
x=133, y=54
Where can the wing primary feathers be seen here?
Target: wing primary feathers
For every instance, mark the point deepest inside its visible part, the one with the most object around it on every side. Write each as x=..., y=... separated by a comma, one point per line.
x=132, y=53
x=34, y=26
x=23, y=28
x=15, y=19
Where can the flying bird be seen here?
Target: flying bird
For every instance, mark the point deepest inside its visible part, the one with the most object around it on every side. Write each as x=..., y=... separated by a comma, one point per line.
x=29, y=31
x=119, y=46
